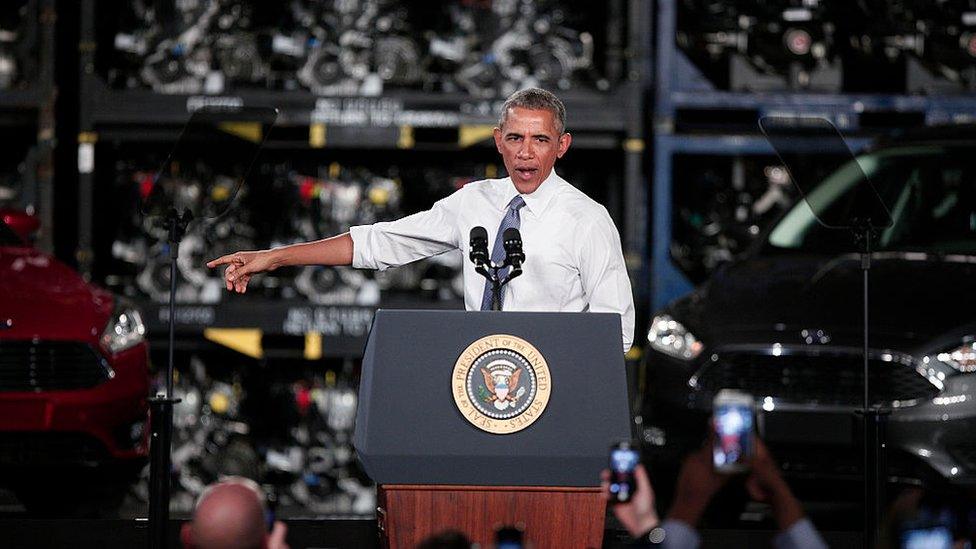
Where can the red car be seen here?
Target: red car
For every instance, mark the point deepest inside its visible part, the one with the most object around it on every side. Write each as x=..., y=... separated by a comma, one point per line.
x=74, y=366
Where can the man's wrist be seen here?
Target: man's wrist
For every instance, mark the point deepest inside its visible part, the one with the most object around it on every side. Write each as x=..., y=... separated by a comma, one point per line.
x=275, y=258
x=646, y=525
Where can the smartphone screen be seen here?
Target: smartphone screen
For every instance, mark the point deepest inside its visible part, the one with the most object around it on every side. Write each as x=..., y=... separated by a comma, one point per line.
x=623, y=460
x=734, y=420
x=936, y=537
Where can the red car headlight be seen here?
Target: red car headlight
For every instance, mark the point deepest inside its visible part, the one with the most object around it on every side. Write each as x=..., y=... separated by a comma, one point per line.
x=124, y=330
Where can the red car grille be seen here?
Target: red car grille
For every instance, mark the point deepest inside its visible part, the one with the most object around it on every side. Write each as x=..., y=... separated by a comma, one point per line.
x=49, y=366
x=46, y=449
x=825, y=379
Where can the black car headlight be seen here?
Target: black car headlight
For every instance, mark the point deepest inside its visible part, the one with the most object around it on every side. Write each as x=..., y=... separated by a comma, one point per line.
x=668, y=336
x=125, y=329
x=961, y=358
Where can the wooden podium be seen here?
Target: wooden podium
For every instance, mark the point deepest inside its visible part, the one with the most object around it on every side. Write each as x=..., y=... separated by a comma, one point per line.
x=552, y=517
x=437, y=471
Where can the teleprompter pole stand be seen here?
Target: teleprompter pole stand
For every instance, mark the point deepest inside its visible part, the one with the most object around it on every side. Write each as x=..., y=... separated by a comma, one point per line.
x=873, y=418
x=161, y=406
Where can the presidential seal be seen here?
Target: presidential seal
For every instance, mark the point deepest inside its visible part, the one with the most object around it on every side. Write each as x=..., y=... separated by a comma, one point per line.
x=501, y=384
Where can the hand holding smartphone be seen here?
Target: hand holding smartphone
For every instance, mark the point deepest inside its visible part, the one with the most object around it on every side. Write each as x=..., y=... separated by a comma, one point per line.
x=624, y=458
x=733, y=420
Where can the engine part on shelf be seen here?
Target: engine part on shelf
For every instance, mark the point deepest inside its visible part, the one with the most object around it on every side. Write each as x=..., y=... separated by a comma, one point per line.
x=8, y=61
x=334, y=286
x=947, y=63
x=18, y=43
x=882, y=46
x=181, y=63
x=495, y=50
x=350, y=47
x=932, y=43
x=721, y=208
x=763, y=46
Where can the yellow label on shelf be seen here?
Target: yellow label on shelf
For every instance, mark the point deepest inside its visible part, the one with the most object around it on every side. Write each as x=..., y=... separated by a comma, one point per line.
x=406, y=141
x=250, y=131
x=246, y=341
x=470, y=134
x=316, y=135
x=313, y=345
x=634, y=145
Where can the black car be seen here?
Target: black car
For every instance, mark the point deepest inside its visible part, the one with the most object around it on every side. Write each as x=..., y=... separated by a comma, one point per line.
x=784, y=324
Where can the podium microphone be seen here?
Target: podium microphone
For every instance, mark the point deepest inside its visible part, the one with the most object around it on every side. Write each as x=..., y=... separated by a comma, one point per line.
x=512, y=241
x=479, y=246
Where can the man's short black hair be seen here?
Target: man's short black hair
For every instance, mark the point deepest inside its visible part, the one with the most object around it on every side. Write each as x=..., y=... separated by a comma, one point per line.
x=536, y=99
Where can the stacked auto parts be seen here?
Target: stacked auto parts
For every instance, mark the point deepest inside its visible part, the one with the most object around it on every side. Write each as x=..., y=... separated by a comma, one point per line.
x=349, y=47
x=297, y=207
x=722, y=207
x=293, y=436
x=18, y=44
x=761, y=46
x=900, y=46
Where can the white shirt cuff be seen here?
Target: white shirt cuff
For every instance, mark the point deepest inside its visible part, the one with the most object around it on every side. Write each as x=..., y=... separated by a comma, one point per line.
x=678, y=535
x=801, y=535
x=361, y=259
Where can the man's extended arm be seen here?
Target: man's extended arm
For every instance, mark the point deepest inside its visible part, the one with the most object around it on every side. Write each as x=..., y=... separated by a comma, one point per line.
x=376, y=246
x=337, y=250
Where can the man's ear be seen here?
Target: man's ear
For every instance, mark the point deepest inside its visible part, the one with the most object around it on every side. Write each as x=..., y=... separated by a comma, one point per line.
x=186, y=535
x=497, y=132
x=565, y=140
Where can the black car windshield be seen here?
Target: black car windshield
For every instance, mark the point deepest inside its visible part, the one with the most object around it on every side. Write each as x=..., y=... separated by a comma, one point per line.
x=930, y=191
x=8, y=237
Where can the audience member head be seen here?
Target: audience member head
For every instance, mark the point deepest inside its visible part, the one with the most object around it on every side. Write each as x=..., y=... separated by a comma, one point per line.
x=230, y=514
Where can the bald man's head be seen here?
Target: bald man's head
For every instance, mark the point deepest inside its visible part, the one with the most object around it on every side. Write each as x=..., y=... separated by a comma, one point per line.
x=229, y=514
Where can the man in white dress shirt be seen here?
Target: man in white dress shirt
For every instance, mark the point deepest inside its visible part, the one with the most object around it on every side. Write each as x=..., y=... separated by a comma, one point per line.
x=573, y=258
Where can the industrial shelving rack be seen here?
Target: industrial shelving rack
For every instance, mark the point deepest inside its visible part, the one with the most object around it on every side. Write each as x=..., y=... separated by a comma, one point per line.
x=33, y=107
x=680, y=90
x=610, y=121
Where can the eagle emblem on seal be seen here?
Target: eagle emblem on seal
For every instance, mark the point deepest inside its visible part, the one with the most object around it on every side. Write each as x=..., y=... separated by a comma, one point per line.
x=502, y=382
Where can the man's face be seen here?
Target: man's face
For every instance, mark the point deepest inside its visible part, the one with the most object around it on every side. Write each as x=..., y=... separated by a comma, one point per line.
x=529, y=145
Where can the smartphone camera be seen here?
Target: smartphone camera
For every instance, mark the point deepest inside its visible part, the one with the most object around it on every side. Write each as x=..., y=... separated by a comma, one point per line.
x=623, y=460
x=734, y=419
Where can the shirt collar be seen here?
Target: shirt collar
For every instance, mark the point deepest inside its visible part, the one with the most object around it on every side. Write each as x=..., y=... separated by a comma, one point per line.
x=536, y=201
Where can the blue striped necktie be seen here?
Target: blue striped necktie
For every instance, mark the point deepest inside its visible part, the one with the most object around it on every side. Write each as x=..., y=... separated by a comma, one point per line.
x=510, y=220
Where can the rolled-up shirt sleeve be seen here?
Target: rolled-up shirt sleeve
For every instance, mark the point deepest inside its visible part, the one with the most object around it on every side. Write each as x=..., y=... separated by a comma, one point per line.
x=604, y=275
x=394, y=243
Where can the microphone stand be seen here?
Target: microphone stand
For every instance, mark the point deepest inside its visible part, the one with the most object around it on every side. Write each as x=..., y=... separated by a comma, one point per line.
x=489, y=270
x=161, y=406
